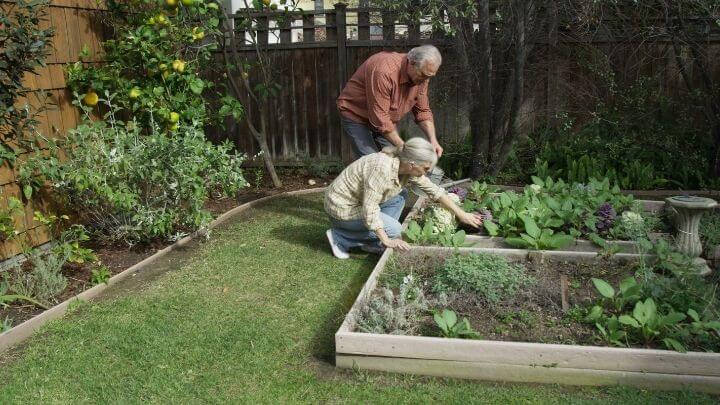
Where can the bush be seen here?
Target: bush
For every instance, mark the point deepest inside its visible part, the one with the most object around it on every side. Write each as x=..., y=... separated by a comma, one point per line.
x=491, y=277
x=394, y=314
x=43, y=281
x=133, y=187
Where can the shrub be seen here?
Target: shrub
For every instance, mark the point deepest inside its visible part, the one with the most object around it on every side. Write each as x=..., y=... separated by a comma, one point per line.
x=43, y=281
x=133, y=187
x=393, y=314
x=491, y=277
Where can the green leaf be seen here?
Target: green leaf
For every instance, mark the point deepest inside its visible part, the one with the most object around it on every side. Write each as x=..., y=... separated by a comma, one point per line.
x=538, y=181
x=645, y=311
x=673, y=344
x=450, y=317
x=694, y=315
x=628, y=320
x=27, y=191
x=516, y=242
x=605, y=289
x=627, y=284
x=594, y=314
x=531, y=227
x=673, y=318
x=491, y=228
x=560, y=240
x=197, y=86
x=458, y=238
x=505, y=200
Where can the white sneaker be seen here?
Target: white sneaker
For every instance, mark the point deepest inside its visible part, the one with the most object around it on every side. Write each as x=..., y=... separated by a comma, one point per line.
x=339, y=253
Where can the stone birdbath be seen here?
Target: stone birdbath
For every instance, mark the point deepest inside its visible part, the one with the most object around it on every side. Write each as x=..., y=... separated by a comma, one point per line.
x=689, y=211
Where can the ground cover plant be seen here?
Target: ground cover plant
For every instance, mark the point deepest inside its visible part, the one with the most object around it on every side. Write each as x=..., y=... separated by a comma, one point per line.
x=626, y=303
x=233, y=320
x=547, y=214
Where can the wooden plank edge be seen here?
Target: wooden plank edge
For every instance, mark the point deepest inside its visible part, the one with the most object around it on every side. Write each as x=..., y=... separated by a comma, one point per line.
x=531, y=374
x=24, y=330
x=528, y=354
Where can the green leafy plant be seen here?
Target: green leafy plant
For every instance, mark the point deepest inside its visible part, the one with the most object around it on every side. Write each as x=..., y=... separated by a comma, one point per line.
x=395, y=314
x=7, y=218
x=24, y=48
x=710, y=229
x=6, y=299
x=537, y=238
x=489, y=276
x=451, y=327
x=6, y=325
x=629, y=293
x=99, y=275
x=129, y=186
x=43, y=281
x=428, y=235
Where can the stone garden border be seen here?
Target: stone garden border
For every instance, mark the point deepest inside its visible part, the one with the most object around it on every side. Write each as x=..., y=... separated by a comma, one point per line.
x=520, y=361
x=24, y=330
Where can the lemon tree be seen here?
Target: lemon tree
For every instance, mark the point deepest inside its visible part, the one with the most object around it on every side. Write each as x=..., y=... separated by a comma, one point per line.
x=155, y=61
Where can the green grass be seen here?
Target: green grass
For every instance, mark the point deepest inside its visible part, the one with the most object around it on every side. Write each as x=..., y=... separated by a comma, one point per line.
x=247, y=317
x=710, y=229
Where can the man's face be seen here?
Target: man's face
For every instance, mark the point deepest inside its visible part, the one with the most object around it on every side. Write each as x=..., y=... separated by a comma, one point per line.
x=422, y=73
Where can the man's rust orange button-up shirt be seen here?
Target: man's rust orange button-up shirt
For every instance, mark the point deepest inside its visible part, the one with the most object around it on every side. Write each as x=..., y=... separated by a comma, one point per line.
x=380, y=93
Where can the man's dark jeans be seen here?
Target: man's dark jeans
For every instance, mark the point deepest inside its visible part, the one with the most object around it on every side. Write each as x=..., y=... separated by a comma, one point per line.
x=364, y=140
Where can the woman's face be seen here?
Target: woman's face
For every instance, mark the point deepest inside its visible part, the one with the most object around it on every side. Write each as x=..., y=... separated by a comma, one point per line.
x=419, y=169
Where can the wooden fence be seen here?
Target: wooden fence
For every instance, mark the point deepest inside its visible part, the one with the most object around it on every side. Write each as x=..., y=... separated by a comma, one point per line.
x=314, y=53
x=77, y=24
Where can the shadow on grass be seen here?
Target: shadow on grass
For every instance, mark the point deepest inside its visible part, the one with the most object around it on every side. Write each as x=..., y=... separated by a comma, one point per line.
x=307, y=236
x=323, y=343
x=303, y=207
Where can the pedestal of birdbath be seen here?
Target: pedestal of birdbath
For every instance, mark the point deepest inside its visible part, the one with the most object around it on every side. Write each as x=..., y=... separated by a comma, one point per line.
x=689, y=211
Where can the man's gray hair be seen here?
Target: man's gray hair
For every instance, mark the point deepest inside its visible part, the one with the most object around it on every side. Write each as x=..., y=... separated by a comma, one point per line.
x=423, y=54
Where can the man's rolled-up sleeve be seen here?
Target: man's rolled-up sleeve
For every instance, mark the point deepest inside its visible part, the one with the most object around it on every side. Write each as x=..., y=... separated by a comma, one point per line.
x=421, y=109
x=379, y=96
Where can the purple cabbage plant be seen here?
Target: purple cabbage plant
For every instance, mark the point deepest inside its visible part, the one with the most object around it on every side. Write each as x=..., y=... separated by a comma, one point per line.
x=461, y=192
x=605, y=217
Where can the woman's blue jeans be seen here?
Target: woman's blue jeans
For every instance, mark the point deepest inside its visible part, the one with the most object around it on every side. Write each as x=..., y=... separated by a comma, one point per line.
x=353, y=233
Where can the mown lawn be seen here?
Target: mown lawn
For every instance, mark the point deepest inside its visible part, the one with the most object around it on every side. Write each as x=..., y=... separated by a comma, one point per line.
x=247, y=317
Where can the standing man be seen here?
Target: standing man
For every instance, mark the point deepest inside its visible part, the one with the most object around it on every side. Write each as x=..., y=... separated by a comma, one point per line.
x=383, y=89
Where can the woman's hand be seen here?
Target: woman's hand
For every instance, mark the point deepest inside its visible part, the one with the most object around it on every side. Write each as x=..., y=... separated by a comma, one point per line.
x=474, y=220
x=398, y=244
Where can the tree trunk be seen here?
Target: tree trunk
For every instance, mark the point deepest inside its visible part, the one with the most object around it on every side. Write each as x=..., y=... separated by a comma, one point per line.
x=518, y=84
x=481, y=112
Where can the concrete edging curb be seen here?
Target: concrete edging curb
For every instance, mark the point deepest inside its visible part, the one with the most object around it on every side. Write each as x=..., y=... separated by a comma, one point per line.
x=26, y=329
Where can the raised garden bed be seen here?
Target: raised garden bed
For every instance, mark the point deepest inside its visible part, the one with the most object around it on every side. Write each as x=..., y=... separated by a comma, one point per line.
x=481, y=239
x=529, y=336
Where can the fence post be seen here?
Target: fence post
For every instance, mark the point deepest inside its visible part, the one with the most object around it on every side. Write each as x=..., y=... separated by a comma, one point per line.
x=262, y=30
x=340, y=22
x=308, y=28
x=285, y=23
x=363, y=24
x=388, y=29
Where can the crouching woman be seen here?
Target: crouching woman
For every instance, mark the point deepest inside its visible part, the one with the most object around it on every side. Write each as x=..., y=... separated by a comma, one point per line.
x=365, y=201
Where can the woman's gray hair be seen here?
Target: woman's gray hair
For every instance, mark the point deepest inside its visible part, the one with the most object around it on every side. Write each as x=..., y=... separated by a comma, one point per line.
x=423, y=54
x=416, y=150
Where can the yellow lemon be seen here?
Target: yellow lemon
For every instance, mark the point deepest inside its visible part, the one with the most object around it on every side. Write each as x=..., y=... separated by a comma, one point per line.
x=178, y=65
x=171, y=3
x=188, y=3
x=91, y=98
x=174, y=117
x=135, y=93
x=198, y=34
x=173, y=127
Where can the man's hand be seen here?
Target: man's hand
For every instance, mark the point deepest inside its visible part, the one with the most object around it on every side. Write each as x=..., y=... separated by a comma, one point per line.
x=438, y=149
